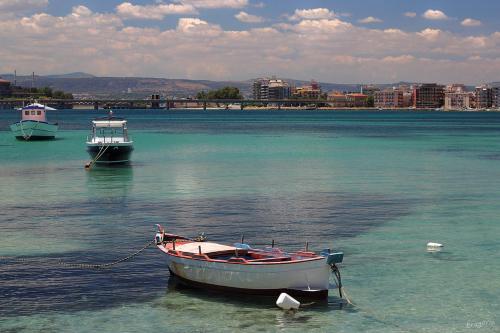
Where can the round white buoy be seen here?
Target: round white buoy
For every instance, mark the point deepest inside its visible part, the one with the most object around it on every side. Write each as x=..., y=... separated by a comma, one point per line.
x=287, y=302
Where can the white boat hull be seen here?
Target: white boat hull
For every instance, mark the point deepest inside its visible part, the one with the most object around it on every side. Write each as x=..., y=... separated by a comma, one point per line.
x=309, y=276
x=33, y=130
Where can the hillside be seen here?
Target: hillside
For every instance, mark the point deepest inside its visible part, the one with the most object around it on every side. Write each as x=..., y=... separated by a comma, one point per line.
x=84, y=84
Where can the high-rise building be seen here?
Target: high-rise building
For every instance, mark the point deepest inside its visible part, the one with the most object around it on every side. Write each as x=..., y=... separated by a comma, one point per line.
x=484, y=97
x=270, y=89
x=428, y=96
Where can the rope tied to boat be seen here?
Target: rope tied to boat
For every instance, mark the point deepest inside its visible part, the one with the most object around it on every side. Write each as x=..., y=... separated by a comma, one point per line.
x=27, y=137
x=83, y=265
x=101, y=152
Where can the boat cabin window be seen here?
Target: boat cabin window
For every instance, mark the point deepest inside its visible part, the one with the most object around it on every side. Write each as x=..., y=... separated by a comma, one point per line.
x=38, y=113
x=33, y=113
x=26, y=113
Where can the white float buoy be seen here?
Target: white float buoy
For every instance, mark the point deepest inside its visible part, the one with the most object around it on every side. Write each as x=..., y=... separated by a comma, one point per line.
x=287, y=302
x=434, y=247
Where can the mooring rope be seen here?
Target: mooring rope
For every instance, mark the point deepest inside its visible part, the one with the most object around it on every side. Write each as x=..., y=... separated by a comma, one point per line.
x=81, y=265
x=27, y=137
x=98, y=156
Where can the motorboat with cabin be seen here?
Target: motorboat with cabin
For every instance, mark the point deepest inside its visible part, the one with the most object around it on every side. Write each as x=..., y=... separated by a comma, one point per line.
x=109, y=142
x=241, y=268
x=33, y=124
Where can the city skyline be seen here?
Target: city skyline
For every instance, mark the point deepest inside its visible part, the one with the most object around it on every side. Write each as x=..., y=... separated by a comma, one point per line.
x=331, y=41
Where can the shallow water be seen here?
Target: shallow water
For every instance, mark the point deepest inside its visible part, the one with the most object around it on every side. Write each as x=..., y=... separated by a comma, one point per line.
x=377, y=185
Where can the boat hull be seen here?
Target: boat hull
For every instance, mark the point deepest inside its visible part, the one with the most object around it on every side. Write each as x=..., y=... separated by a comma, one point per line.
x=114, y=154
x=307, y=279
x=34, y=130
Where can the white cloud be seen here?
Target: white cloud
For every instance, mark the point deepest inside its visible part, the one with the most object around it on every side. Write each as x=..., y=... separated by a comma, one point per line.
x=248, y=18
x=311, y=14
x=370, y=19
x=215, y=3
x=434, y=14
x=430, y=34
x=152, y=12
x=410, y=14
x=324, y=49
x=469, y=22
x=195, y=26
x=81, y=11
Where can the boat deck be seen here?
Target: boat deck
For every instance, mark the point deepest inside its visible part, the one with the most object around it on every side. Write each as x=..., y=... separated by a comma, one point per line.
x=223, y=253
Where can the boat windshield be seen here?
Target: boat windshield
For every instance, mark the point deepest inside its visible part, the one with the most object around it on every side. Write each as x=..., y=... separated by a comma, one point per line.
x=110, y=132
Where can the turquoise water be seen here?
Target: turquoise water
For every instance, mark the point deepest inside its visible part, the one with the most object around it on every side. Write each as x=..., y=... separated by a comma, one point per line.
x=376, y=185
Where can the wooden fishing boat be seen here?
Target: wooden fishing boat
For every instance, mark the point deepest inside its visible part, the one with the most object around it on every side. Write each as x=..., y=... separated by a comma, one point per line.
x=244, y=269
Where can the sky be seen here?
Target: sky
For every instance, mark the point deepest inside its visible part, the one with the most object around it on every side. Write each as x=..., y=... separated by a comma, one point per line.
x=341, y=41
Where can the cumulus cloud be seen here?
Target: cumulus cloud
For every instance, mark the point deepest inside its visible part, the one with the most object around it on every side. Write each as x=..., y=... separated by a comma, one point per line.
x=434, y=14
x=152, y=12
x=327, y=49
x=469, y=22
x=370, y=19
x=215, y=3
x=311, y=14
x=430, y=34
x=248, y=18
x=410, y=14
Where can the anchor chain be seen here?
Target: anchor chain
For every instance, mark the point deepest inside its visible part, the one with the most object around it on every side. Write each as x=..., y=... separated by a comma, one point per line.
x=82, y=265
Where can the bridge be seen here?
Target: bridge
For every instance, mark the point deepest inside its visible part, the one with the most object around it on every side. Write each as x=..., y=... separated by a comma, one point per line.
x=160, y=103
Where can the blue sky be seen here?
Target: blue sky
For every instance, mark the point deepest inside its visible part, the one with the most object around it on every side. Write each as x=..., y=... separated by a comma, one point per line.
x=337, y=40
x=390, y=11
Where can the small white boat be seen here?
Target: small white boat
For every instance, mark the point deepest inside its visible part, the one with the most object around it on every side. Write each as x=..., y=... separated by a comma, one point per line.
x=109, y=142
x=33, y=124
x=243, y=269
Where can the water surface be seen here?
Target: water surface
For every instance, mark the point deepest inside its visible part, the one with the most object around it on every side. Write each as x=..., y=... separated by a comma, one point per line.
x=377, y=185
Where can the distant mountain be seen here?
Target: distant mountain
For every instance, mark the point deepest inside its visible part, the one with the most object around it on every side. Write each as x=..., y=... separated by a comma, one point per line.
x=88, y=85
x=75, y=75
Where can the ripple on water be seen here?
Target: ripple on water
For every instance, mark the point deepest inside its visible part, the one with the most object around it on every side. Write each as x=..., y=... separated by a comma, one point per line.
x=33, y=288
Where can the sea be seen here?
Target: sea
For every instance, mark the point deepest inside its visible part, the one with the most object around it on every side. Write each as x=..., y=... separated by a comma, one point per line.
x=377, y=185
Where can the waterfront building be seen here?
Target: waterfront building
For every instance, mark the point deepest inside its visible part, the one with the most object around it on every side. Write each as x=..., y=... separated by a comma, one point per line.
x=428, y=96
x=337, y=99
x=456, y=97
x=268, y=89
x=457, y=100
x=484, y=97
x=5, y=88
x=389, y=98
x=351, y=100
x=357, y=100
x=496, y=96
x=310, y=91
